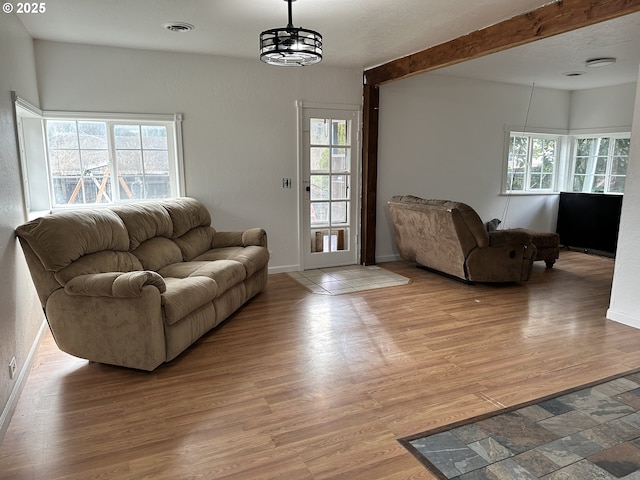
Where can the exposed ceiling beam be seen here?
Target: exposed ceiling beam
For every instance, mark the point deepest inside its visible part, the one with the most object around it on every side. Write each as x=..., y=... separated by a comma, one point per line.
x=553, y=19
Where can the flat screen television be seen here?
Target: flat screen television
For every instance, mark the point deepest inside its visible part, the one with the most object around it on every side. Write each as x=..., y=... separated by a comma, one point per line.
x=589, y=221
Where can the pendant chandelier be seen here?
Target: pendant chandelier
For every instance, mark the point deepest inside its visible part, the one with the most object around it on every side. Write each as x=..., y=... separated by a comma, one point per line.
x=290, y=46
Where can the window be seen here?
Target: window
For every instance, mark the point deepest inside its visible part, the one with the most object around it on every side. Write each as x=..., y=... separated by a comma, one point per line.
x=73, y=159
x=556, y=161
x=109, y=161
x=600, y=163
x=532, y=162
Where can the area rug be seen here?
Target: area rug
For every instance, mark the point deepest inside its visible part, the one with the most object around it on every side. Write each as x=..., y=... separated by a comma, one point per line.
x=347, y=279
x=592, y=432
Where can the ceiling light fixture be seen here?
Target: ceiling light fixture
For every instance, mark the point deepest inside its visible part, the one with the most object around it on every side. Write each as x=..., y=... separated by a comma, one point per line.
x=179, y=27
x=599, y=62
x=290, y=46
x=573, y=74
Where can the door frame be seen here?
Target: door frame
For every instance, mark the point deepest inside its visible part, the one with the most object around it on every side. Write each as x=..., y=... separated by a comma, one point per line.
x=356, y=179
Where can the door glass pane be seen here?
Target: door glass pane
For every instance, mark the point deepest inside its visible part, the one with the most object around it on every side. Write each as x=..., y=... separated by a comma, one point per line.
x=338, y=212
x=342, y=239
x=339, y=132
x=340, y=159
x=319, y=159
x=319, y=187
x=320, y=213
x=339, y=187
x=319, y=130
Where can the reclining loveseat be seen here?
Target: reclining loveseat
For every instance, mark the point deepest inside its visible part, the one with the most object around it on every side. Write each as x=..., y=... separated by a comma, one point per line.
x=135, y=285
x=449, y=237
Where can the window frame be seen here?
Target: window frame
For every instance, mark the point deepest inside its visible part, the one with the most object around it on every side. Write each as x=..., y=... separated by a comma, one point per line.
x=545, y=134
x=610, y=157
x=35, y=163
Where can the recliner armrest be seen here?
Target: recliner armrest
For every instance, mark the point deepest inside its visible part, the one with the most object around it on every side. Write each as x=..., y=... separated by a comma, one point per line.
x=114, y=284
x=501, y=238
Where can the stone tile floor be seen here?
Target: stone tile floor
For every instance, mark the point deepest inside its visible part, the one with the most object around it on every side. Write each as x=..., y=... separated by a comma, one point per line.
x=592, y=433
x=347, y=279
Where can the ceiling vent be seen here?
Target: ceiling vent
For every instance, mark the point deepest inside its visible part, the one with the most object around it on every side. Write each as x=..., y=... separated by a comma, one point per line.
x=179, y=27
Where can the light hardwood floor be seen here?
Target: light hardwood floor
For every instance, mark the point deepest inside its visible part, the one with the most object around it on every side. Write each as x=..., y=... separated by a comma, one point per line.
x=303, y=386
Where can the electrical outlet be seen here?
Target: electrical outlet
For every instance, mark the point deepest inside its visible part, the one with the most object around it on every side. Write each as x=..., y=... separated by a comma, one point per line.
x=12, y=368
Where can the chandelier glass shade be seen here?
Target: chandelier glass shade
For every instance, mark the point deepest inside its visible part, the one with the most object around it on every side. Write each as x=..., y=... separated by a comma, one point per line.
x=290, y=46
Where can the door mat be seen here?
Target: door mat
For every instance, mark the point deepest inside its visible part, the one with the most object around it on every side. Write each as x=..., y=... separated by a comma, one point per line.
x=590, y=432
x=348, y=279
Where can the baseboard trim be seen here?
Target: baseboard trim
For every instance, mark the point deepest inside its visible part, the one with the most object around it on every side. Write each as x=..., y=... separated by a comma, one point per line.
x=623, y=318
x=10, y=407
x=284, y=269
x=388, y=258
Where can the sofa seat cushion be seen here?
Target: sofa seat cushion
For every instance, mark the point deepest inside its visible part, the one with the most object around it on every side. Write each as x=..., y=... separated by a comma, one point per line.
x=185, y=295
x=253, y=258
x=226, y=273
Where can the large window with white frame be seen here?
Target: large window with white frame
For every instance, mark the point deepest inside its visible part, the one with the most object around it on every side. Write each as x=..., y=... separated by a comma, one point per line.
x=96, y=161
x=600, y=163
x=550, y=163
x=532, y=162
x=75, y=159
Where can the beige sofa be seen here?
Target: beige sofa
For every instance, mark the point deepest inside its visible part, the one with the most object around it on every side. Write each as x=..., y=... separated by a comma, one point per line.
x=135, y=285
x=450, y=237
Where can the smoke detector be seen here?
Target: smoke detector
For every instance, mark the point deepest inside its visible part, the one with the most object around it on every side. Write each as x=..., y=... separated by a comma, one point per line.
x=179, y=27
x=599, y=62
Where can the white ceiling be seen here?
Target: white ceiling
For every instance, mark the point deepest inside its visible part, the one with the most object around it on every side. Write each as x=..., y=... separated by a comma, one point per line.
x=356, y=33
x=545, y=62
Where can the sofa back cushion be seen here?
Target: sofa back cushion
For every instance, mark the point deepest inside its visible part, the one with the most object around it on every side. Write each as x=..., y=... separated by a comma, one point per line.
x=186, y=213
x=99, y=262
x=157, y=252
x=195, y=242
x=472, y=224
x=144, y=220
x=62, y=238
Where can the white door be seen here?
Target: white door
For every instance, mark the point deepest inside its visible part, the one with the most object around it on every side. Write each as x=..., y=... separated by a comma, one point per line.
x=330, y=186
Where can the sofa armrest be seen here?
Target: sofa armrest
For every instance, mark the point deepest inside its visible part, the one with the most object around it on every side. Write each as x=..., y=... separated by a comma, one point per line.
x=252, y=236
x=504, y=238
x=114, y=284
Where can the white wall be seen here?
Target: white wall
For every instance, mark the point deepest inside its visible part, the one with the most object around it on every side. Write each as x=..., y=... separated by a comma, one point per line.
x=239, y=122
x=625, y=301
x=444, y=137
x=20, y=313
x=598, y=108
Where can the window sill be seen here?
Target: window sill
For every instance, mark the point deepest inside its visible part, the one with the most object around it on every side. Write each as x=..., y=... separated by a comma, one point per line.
x=525, y=194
